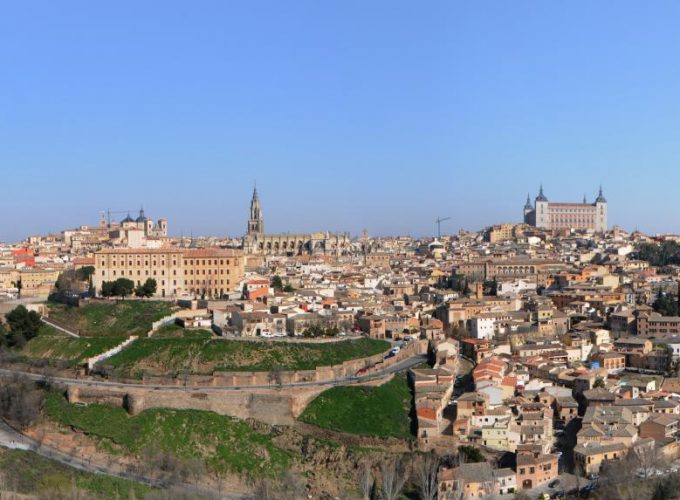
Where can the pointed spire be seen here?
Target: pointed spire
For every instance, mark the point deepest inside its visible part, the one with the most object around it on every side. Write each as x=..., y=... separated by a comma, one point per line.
x=255, y=191
x=600, y=197
x=541, y=196
x=584, y=199
x=528, y=205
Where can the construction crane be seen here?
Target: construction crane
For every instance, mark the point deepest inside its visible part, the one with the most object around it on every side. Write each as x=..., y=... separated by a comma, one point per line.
x=113, y=212
x=439, y=225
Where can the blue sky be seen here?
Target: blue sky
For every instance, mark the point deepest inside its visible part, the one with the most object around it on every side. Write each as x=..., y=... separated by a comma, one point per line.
x=350, y=114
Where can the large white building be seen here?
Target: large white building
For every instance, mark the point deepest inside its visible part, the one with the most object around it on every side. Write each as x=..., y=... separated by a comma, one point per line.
x=551, y=215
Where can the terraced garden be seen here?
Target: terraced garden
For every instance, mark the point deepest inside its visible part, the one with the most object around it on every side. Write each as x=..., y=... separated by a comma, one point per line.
x=169, y=356
x=119, y=319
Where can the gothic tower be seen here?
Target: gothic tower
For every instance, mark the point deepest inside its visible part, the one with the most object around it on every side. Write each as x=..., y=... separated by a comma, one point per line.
x=255, y=222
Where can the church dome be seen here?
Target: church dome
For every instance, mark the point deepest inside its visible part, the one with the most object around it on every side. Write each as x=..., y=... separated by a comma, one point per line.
x=127, y=219
x=142, y=217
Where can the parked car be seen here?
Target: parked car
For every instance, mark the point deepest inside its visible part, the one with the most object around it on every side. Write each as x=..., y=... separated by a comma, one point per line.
x=553, y=483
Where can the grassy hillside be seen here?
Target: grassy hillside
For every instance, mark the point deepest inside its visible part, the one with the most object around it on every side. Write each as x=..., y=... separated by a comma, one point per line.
x=382, y=411
x=65, y=348
x=173, y=355
x=120, y=319
x=223, y=443
x=27, y=473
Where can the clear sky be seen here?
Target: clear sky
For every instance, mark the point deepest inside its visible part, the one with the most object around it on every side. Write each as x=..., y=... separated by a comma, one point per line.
x=350, y=114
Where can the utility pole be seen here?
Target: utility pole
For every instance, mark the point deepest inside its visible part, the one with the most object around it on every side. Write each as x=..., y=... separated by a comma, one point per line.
x=439, y=225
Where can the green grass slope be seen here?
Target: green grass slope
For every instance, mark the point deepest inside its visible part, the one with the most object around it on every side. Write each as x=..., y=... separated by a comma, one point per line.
x=382, y=411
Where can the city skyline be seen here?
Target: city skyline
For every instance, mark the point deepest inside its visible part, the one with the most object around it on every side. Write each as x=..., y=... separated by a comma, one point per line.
x=116, y=215
x=381, y=117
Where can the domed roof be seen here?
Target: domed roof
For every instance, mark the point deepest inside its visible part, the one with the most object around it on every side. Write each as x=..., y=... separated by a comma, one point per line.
x=142, y=217
x=127, y=219
x=600, y=197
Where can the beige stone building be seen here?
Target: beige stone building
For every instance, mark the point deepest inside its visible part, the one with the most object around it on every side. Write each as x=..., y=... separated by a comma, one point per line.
x=549, y=215
x=209, y=272
x=256, y=241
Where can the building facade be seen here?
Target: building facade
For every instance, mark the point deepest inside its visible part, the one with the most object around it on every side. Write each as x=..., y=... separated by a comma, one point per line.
x=256, y=241
x=551, y=215
x=204, y=272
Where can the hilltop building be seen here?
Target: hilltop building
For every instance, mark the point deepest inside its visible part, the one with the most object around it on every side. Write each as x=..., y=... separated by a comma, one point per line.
x=545, y=214
x=199, y=272
x=256, y=241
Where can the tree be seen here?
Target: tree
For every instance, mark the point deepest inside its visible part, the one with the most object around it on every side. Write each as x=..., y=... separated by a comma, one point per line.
x=123, y=287
x=276, y=283
x=150, y=287
x=139, y=291
x=85, y=273
x=426, y=476
x=107, y=289
x=68, y=283
x=18, y=285
x=393, y=478
x=470, y=454
x=490, y=287
x=275, y=376
x=599, y=382
x=20, y=402
x=23, y=325
x=665, y=304
x=288, y=289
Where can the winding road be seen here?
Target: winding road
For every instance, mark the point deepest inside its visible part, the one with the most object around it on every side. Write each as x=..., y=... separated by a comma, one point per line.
x=88, y=382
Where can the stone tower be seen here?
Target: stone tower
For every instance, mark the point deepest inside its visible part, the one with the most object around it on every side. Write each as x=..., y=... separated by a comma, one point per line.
x=542, y=210
x=601, y=215
x=255, y=222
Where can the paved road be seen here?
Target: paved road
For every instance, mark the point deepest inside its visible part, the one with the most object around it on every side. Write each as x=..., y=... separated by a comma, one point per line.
x=86, y=382
x=9, y=438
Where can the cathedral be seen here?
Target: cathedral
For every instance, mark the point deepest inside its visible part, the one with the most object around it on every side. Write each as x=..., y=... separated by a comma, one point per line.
x=256, y=241
x=551, y=215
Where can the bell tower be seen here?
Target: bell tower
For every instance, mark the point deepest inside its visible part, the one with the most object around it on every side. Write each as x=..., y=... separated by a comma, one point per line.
x=255, y=222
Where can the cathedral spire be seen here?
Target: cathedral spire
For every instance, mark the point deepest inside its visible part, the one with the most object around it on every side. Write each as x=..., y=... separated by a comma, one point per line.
x=600, y=197
x=255, y=221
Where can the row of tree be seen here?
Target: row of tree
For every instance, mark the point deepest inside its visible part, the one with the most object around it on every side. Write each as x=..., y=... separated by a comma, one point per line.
x=124, y=287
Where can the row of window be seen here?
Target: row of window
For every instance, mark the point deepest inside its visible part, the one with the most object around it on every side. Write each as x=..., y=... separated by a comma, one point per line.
x=174, y=262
